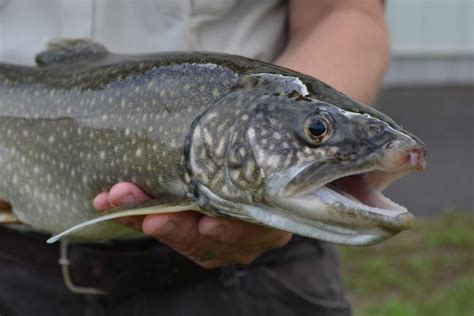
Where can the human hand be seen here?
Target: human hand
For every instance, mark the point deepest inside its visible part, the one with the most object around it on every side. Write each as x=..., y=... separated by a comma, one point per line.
x=209, y=242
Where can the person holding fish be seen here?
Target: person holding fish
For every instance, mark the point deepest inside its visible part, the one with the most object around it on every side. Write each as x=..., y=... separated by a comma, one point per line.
x=202, y=264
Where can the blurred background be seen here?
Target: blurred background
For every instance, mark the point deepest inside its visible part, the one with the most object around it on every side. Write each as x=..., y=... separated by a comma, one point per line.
x=429, y=88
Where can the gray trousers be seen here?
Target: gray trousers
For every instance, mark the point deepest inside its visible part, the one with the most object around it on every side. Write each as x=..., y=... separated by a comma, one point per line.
x=301, y=280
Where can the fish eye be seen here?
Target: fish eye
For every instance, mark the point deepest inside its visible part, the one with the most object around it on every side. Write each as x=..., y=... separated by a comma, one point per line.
x=316, y=129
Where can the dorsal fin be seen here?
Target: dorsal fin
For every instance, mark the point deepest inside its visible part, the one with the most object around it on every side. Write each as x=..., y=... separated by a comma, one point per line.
x=66, y=51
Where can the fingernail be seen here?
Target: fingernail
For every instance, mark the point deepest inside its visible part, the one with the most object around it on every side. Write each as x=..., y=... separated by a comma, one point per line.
x=217, y=232
x=166, y=229
x=124, y=200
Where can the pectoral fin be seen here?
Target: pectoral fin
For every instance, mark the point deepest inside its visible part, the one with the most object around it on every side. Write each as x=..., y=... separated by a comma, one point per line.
x=149, y=207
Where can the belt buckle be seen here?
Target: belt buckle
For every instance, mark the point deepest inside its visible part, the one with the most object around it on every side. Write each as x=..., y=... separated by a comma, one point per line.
x=65, y=264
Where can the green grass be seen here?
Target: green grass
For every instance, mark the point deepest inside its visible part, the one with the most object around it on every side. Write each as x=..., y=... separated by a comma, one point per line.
x=428, y=270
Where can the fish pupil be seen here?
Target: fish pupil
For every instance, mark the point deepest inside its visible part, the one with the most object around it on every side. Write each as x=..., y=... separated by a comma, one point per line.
x=317, y=128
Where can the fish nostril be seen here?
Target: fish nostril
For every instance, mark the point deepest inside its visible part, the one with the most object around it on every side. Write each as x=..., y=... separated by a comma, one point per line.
x=389, y=145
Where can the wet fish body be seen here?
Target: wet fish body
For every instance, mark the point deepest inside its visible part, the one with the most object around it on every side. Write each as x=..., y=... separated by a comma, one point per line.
x=233, y=136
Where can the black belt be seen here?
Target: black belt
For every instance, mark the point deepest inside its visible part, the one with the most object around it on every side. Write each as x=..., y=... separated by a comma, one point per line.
x=115, y=267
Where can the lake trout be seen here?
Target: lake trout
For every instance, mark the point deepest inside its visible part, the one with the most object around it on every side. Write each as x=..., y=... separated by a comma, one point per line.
x=219, y=134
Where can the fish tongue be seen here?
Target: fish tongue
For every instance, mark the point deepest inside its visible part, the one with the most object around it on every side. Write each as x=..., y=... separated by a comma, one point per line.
x=356, y=187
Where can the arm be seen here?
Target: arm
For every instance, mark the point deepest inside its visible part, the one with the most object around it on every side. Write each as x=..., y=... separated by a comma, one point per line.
x=344, y=43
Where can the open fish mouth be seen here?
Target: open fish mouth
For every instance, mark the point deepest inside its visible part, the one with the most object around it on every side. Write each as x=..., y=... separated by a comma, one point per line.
x=350, y=208
x=363, y=191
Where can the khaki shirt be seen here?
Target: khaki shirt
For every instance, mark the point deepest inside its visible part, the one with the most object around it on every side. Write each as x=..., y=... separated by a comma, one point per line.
x=251, y=28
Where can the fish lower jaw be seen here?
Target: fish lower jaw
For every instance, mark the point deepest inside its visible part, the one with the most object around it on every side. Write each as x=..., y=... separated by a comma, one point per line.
x=359, y=191
x=335, y=217
x=331, y=232
x=359, y=196
x=347, y=210
x=378, y=203
x=363, y=192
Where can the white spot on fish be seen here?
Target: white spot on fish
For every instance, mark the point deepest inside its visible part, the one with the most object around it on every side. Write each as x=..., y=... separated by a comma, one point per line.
x=220, y=147
x=225, y=190
x=273, y=161
x=207, y=137
x=249, y=169
x=251, y=133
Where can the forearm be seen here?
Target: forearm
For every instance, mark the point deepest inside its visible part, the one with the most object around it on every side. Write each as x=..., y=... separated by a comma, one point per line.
x=347, y=48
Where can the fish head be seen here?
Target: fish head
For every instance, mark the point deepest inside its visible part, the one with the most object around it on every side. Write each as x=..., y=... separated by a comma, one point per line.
x=310, y=167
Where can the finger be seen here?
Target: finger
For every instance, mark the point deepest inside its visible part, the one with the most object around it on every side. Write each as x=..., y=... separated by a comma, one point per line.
x=120, y=194
x=209, y=253
x=123, y=194
x=246, y=234
x=101, y=202
x=126, y=193
x=179, y=231
x=175, y=229
x=201, y=250
x=228, y=254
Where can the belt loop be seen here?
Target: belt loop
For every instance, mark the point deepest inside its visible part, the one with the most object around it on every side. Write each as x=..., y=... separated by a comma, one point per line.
x=230, y=275
x=65, y=264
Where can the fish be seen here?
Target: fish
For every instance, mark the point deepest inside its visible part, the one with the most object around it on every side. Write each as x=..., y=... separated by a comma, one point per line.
x=219, y=134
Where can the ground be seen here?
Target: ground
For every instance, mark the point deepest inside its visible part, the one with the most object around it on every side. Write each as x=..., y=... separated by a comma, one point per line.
x=428, y=270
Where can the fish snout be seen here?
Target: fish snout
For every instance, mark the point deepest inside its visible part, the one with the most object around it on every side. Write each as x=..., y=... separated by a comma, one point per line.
x=402, y=156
